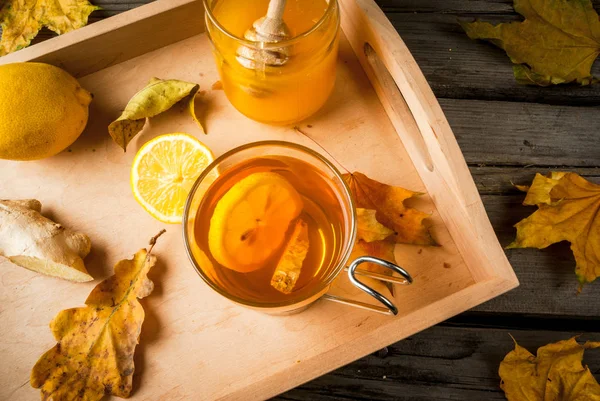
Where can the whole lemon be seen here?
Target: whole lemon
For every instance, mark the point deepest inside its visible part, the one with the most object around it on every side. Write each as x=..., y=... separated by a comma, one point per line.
x=43, y=110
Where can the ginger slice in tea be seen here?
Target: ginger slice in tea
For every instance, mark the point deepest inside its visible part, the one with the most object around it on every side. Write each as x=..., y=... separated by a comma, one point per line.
x=288, y=268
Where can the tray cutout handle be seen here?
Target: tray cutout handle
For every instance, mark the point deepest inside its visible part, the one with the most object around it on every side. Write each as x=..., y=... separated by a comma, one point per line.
x=398, y=103
x=428, y=151
x=412, y=116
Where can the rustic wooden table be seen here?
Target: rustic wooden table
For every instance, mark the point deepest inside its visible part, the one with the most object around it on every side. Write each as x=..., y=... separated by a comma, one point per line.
x=507, y=133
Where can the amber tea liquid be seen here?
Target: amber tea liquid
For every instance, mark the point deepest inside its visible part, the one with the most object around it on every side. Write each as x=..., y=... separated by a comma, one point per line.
x=321, y=211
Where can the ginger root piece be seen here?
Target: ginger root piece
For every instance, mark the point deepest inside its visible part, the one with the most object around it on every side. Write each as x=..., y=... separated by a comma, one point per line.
x=289, y=266
x=35, y=242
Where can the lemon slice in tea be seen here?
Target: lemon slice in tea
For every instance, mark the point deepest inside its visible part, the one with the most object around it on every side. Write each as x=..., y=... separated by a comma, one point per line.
x=163, y=172
x=249, y=223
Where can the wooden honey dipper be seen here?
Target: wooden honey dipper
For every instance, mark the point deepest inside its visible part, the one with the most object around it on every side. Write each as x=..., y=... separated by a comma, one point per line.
x=268, y=29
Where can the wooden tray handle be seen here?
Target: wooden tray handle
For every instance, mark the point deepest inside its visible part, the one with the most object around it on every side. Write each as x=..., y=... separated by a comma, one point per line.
x=417, y=132
x=408, y=100
x=397, y=103
x=424, y=131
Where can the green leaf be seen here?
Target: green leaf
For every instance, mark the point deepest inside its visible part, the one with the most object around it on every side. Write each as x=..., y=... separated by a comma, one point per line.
x=557, y=43
x=158, y=96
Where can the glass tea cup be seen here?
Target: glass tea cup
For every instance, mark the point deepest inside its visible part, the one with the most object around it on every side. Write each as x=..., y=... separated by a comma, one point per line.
x=275, y=93
x=325, y=194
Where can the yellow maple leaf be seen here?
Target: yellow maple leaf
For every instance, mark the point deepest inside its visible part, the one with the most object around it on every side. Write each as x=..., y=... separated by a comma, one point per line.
x=556, y=43
x=368, y=228
x=556, y=373
x=96, y=343
x=388, y=202
x=378, y=249
x=21, y=20
x=540, y=192
x=568, y=210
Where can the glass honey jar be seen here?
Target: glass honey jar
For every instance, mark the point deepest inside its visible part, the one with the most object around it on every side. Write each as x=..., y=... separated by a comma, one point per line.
x=276, y=94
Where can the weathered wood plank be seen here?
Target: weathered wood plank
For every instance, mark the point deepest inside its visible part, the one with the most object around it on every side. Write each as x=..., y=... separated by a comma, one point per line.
x=548, y=282
x=453, y=6
x=521, y=134
x=499, y=181
x=455, y=66
x=453, y=363
x=502, y=133
x=458, y=67
x=518, y=134
x=442, y=363
x=512, y=133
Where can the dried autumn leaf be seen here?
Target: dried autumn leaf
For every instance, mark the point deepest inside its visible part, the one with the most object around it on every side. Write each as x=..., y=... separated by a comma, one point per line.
x=557, y=43
x=568, y=210
x=368, y=228
x=539, y=191
x=378, y=249
x=556, y=373
x=158, y=96
x=370, y=236
x=21, y=20
x=388, y=202
x=96, y=343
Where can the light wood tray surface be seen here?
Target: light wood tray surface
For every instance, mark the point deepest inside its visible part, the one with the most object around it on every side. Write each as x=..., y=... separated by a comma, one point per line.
x=195, y=344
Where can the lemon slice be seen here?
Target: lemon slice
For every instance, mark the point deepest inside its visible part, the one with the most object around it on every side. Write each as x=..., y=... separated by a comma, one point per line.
x=249, y=223
x=163, y=172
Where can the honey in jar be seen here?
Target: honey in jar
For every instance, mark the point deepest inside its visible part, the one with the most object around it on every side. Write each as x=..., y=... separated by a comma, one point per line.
x=281, y=94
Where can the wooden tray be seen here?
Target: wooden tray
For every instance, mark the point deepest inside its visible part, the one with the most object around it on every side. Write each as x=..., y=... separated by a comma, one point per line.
x=195, y=344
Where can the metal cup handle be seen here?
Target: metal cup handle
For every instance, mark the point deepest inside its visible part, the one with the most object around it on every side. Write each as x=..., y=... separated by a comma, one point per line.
x=388, y=307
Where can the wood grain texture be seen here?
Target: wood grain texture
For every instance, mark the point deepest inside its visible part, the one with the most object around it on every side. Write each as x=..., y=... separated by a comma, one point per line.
x=96, y=46
x=442, y=363
x=454, y=65
x=548, y=281
x=503, y=139
x=525, y=134
x=458, y=67
x=200, y=328
x=425, y=134
x=499, y=180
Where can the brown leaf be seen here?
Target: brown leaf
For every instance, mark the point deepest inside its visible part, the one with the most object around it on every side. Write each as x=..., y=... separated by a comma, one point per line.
x=568, y=210
x=388, y=201
x=21, y=20
x=555, y=374
x=96, y=343
x=557, y=43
